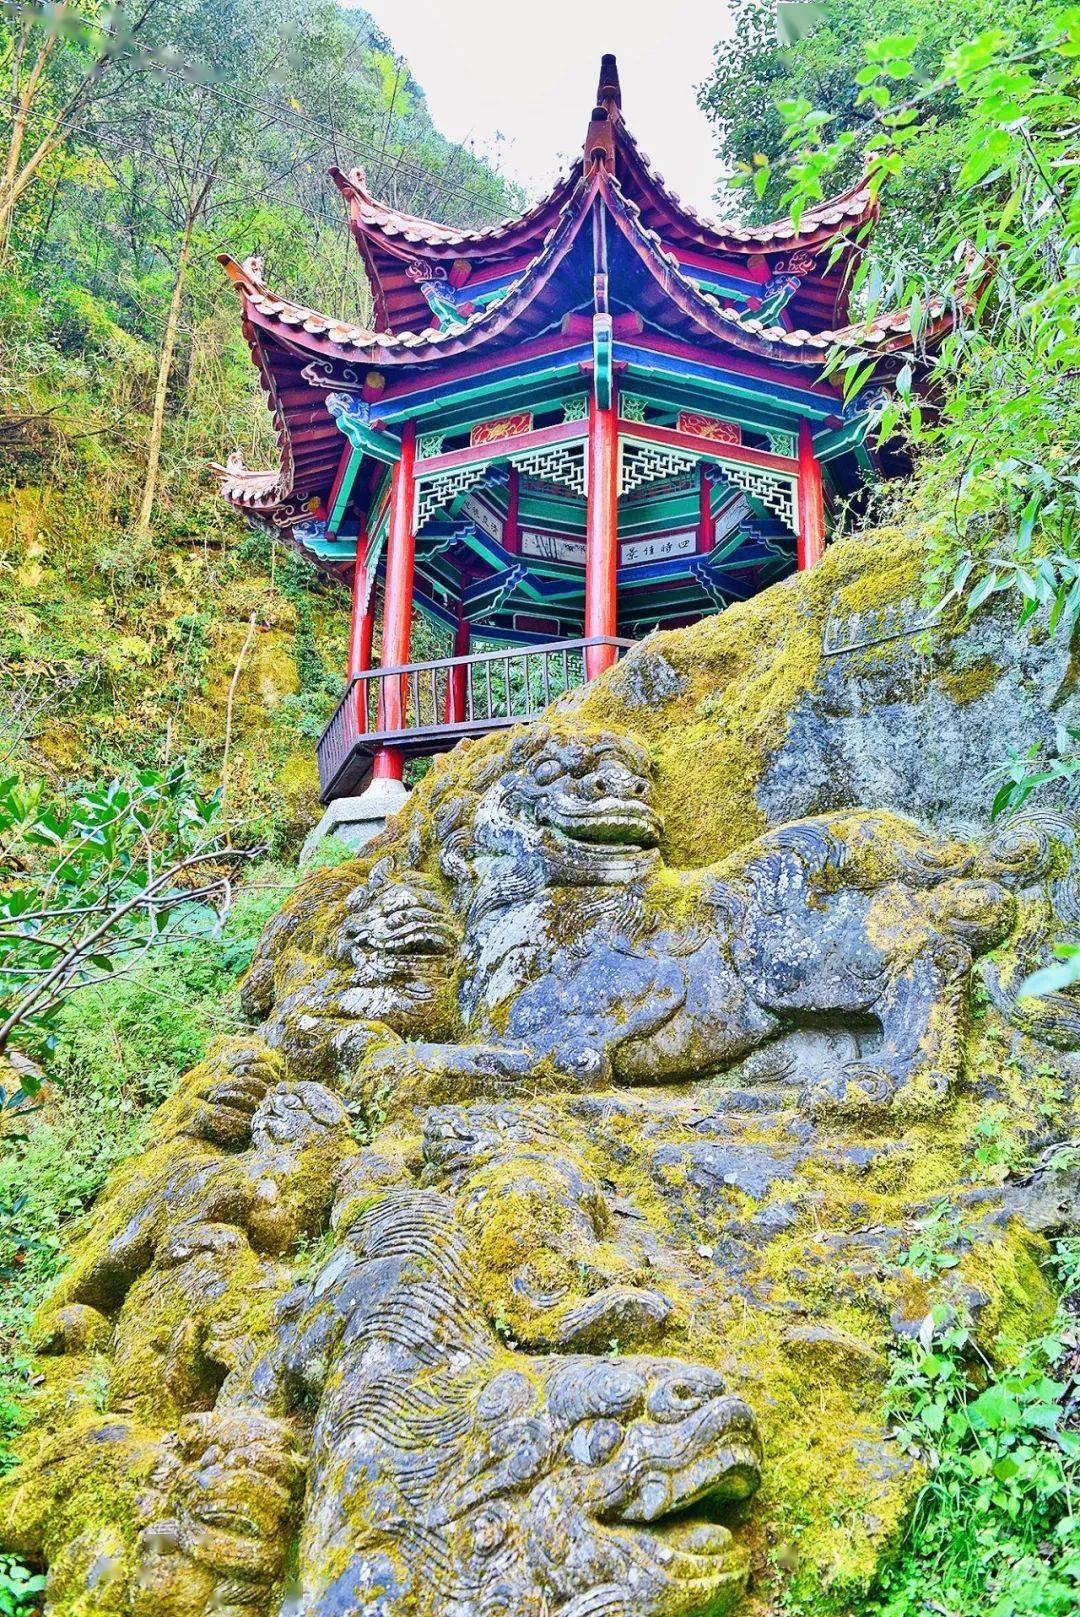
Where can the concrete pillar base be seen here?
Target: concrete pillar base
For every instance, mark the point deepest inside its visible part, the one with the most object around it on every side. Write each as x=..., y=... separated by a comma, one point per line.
x=356, y=820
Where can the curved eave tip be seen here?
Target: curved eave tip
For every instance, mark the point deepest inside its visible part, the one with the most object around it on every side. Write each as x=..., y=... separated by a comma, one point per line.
x=353, y=183
x=246, y=277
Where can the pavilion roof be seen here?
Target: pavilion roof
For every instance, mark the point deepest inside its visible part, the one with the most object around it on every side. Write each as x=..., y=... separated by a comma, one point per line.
x=546, y=257
x=514, y=313
x=397, y=247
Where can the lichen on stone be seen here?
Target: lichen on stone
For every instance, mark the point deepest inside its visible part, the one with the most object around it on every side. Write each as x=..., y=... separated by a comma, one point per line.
x=548, y=1240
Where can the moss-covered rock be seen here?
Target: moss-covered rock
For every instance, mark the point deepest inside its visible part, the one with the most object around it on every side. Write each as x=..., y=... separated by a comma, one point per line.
x=641, y=1077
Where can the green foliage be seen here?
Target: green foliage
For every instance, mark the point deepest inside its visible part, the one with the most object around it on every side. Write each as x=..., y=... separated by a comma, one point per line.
x=1029, y=772
x=20, y=1589
x=927, y=1254
x=118, y=1050
x=90, y=885
x=994, y=234
x=760, y=74
x=133, y=635
x=995, y=1532
x=991, y=235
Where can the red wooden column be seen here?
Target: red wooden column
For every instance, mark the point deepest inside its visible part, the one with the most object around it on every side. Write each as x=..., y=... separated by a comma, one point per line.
x=361, y=628
x=811, y=541
x=601, y=534
x=457, y=683
x=397, y=607
x=512, y=525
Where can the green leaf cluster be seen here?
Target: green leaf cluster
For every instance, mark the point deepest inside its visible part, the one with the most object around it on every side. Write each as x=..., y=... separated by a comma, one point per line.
x=91, y=883
x=996, y=1530
x=20, y=1588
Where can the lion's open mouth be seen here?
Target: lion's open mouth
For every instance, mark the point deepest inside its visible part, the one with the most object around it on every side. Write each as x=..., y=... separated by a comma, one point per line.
x=425, y=935
x=689, y=1538
x=713, y=1457
x=694, y=1564
x=610, y=821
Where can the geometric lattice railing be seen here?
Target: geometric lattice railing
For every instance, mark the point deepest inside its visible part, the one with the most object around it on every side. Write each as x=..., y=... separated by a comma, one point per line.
x=424, y=708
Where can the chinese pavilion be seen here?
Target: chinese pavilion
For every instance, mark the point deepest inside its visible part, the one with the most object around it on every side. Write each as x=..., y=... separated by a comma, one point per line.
x=565, y=430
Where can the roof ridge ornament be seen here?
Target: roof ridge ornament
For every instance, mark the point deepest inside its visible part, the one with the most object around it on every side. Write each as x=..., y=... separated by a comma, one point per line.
x=600, y=140
x=609, y=91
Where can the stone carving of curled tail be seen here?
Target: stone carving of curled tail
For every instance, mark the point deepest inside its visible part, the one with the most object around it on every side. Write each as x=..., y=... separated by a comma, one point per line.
x=1059, y=835
x=809, y=849
x=453, y=837
x=1038, y=849
x=1038, y=845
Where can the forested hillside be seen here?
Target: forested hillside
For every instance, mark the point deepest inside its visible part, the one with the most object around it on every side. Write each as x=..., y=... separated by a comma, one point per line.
x=163, y=669
x=145, y=141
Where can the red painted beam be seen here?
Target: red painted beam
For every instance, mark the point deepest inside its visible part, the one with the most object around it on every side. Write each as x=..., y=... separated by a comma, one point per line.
x=601, y=536
x=790, y=372
x=560, y=432
x=389, y=762
x=455, y=369
x=811, y=540
x=709, y=448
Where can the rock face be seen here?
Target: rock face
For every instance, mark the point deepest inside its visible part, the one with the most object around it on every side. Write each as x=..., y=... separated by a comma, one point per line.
x=561, y=1195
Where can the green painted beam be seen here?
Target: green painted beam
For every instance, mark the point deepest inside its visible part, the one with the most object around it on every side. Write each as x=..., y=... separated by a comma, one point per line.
x=472, y=404
x=663, y=387
x=602, y=373
x=841, y=440
x=381, y=446
x=346, y=488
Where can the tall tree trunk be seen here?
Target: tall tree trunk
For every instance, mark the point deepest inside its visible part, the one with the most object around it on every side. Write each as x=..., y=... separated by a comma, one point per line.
x=17, y=175
x=23, y=96
x=161, y=391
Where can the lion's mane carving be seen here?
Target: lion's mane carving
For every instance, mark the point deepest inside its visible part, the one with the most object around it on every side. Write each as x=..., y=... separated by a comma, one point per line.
x=452, y=1479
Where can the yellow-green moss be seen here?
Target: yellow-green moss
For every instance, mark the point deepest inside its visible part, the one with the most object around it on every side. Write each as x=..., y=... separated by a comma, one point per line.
x=966, y=685
x=745, y=672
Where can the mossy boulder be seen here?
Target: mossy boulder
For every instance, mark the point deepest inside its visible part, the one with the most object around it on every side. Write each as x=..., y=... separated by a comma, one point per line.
x=551, y=1236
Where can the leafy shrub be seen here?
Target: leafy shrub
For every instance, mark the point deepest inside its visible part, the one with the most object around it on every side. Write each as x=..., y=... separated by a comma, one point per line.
x=995, y=1531
x=19, y=1588
x=119, y=1048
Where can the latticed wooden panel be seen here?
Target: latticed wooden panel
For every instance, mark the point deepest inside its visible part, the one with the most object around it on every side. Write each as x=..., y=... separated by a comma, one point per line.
x=441, y=489
x=564, y=464
x=774, y=490
x=641, y=463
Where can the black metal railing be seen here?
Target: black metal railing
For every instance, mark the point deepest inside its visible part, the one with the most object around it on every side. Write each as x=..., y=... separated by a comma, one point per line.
x=423, y=708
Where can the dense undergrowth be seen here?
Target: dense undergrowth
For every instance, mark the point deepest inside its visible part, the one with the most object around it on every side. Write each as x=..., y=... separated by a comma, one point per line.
x=996, y=1530
x=119, y=1050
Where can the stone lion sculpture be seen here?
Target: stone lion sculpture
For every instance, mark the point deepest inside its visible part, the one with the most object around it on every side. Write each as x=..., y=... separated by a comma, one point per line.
x=539, y=1228
x=580, y=950
x=391, y=964
x=446, y=1474
x=424, y=1298
x=452, y=1479
x=241, y=1167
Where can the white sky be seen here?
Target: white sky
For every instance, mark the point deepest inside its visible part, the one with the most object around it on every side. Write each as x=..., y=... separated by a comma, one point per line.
x=527, y=72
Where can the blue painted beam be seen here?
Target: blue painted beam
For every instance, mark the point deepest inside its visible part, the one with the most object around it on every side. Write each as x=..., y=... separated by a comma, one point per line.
x=791, y=400
x=449, y=395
